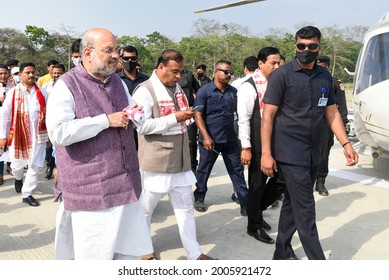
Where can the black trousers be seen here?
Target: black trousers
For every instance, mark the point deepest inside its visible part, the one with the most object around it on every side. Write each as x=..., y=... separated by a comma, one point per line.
x=298, y=212
x=328, y=142
x=50, y=160
x=192, y=135
x=262, y=192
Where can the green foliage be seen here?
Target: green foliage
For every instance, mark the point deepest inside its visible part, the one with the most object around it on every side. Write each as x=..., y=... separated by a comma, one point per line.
x=39, y=37
x=210, y=42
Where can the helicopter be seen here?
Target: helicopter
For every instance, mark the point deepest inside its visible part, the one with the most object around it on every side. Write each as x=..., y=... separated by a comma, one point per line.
x=371, y=88
x=234, y=4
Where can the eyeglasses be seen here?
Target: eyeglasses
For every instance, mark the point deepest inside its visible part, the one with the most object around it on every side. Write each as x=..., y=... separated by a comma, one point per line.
x=128, y=58
x=108, y=50
x=226, y=72
x=311, y=47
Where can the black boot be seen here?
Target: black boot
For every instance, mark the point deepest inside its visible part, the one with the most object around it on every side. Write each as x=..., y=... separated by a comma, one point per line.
x=320, y=187
x=49, y=173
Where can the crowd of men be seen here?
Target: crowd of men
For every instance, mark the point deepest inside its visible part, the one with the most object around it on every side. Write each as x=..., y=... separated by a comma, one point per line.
x=112, y=168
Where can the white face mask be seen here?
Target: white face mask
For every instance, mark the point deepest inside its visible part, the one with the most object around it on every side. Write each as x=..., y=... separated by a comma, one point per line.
x=16, y=79
x=76, y=60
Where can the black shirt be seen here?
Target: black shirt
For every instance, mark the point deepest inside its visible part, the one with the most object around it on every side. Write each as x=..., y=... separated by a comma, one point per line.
x=297, y=125
x=132, y=84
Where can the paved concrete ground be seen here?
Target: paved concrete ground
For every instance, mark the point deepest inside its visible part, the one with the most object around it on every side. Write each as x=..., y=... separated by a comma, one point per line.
x=353, y=220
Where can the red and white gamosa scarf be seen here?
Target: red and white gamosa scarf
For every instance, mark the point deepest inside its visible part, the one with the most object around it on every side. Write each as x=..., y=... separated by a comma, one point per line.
x=19, y=134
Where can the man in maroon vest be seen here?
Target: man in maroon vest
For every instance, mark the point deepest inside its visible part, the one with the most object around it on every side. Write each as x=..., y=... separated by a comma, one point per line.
x=98, y=172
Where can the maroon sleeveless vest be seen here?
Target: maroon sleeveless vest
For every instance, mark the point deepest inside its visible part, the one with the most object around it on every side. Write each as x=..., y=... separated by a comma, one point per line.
x=103, y=171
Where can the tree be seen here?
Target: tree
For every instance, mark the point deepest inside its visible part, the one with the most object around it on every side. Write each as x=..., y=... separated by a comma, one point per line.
x=64, y=43
x=209, y=42
x=39, y=37
x=145, y=57
x=206, y=27
x=13, y=44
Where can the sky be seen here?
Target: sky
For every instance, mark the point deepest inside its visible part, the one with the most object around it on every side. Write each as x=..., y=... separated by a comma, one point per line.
x=175, y=18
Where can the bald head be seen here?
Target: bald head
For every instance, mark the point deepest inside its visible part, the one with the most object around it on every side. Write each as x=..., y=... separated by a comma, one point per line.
x=99, y=52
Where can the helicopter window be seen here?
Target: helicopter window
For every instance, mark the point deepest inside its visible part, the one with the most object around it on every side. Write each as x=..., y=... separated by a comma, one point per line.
x=375, y=63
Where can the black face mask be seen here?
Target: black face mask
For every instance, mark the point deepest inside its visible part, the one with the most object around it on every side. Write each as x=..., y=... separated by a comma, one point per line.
x=200, y=75
x=306, y=57
x=129, y=65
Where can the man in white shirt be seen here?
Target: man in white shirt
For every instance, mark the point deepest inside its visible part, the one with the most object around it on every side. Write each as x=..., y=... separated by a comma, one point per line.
x=250, y=106
x=23, y=130
x=250, y=64
x=164, y=147
x=100, y=216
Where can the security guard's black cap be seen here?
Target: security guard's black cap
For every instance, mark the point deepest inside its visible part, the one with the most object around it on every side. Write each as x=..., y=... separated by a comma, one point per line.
x=323, y=59
x=202, y=66
x=12, y=62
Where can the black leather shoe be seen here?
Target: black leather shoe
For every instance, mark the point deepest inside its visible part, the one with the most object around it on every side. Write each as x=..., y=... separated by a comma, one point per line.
x=260, y=235
x=320, y=186
x=200, y=206
x=265, y=225
x=234, y=198
x=49, y=174
x=290, y=258
x=18, y=185
x=31, y=201
x=243, y=211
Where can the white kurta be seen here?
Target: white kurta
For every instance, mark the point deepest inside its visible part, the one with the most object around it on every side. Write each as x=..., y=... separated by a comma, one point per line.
x=38, y=149
x=92, y=234
x=153, y=181
x=177, y=186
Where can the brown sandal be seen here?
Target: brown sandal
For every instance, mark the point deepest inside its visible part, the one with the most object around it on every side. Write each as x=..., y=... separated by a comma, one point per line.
x=1, y=180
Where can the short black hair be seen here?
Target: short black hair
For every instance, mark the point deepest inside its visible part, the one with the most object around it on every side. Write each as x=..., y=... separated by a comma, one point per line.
x=308, y=32
x=130, y=49
x=251, y=63
x=75, y=46
x=3, y=66
x=168, y=55
x=202, y=66
x=264, y=53
x=26, y=64
x=52, y=62
x=60, y=65
x=222, y=62
x=12, y=62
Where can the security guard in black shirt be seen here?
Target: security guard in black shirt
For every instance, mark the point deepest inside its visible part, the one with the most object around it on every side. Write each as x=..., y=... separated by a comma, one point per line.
x=297, y=97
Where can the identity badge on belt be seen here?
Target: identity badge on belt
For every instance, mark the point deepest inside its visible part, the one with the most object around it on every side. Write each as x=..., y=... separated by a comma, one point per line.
x=322, y=100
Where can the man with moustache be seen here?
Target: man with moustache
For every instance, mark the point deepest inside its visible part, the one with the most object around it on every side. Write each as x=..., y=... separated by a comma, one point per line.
x=164, y=147
x=23, y=130
x=216, y=104
x=297, y=97
x=99, y=182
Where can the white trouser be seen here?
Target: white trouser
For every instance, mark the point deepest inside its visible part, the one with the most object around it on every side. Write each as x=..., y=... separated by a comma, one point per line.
x=119, y=232
x=31, y=180
x=64, y=245
x=182, y=202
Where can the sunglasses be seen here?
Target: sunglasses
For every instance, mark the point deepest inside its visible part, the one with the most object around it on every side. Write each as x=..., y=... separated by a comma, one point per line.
x=226, y=72
x=128, y=58
x=311, y=47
